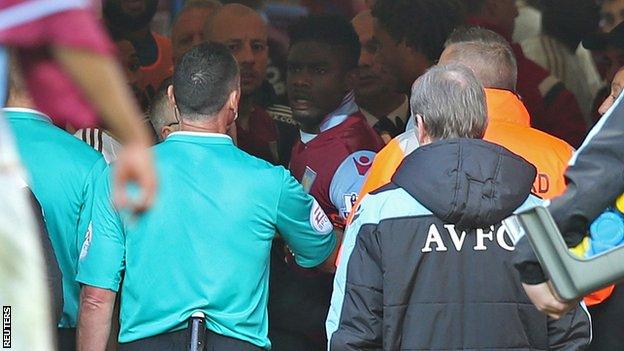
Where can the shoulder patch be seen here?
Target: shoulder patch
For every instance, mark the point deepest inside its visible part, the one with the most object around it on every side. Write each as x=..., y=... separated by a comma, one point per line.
x=87, y=243
x=319, y=220
x=348, y=179
x=309, y=176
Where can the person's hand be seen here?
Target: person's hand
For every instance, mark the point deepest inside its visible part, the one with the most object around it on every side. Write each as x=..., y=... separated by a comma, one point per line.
x=547, y=301
x=134, y=164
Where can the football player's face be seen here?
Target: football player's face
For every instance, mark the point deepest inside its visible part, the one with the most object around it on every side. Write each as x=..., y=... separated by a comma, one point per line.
x=316, y=82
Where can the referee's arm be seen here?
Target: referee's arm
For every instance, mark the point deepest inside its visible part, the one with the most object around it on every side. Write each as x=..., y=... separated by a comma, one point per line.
x=100, y=267
x=305, y=227
x=96, y=314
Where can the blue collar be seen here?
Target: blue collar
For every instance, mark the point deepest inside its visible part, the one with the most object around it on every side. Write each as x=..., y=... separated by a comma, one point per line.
x=200, y=137
x=25, y=113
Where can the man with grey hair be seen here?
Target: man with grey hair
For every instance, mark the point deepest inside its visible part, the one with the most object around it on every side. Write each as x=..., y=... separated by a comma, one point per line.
x=188, y=27
x=426, y=263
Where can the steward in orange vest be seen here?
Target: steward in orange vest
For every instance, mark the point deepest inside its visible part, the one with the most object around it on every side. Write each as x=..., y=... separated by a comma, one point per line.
x=508, y=126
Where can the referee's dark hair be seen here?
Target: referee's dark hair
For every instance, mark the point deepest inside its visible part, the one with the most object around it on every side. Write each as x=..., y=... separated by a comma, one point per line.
x=423, y=25
x=333, y=30
x=203, y=80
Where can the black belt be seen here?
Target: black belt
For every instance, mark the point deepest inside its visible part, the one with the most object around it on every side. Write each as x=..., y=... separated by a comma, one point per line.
x=179, y=340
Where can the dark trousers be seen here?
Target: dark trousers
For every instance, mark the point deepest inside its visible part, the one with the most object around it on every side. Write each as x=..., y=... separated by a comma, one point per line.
x=66, y=339
x=178, y=341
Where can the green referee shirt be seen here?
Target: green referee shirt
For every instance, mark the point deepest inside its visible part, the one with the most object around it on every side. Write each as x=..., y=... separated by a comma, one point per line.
x=62, y=172
x=204, y=244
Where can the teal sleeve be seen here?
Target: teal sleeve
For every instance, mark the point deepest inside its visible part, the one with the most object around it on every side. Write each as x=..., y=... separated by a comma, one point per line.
x=102, y=258
x=86, y=209
x=304, y=226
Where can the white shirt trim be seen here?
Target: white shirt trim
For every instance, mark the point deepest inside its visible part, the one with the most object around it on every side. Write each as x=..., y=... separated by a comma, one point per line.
x=201, y=134
x=306, y=137
x=27, y=110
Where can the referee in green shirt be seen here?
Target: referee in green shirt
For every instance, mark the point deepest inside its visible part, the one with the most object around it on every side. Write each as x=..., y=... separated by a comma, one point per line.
x=61, y=170
x=204, y=244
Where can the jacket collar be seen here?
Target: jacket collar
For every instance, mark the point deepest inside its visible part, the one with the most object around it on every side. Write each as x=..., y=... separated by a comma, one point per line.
x=505, y=106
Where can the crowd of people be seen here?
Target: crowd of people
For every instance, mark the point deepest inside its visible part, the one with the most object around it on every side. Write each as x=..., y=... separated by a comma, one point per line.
x=326, y=176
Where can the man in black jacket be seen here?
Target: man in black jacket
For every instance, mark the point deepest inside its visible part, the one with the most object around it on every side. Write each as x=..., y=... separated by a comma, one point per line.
x=597, y=164
x=426, y=263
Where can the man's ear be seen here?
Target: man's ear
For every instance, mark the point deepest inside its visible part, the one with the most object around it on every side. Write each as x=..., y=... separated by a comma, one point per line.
x=170, y=95
x=232, y=105
x=165, y=131
x=421, y=131
x=234, y=99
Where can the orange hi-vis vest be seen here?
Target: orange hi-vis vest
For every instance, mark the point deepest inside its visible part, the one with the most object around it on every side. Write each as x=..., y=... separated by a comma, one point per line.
x=509, y=125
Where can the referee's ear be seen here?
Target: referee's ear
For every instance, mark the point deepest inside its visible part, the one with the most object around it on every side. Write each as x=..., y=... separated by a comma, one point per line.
x=170, y=95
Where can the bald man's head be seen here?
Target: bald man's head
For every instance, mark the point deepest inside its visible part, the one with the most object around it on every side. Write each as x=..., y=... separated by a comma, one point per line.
x=188, y=28
x=245, y=33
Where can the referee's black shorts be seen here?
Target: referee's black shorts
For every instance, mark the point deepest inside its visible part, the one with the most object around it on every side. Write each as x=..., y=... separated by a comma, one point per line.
x=178, y=341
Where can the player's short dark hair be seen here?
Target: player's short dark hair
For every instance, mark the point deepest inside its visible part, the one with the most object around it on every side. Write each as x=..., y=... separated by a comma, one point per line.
x=334, y=30
x=423, y=25
x=204, y=79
